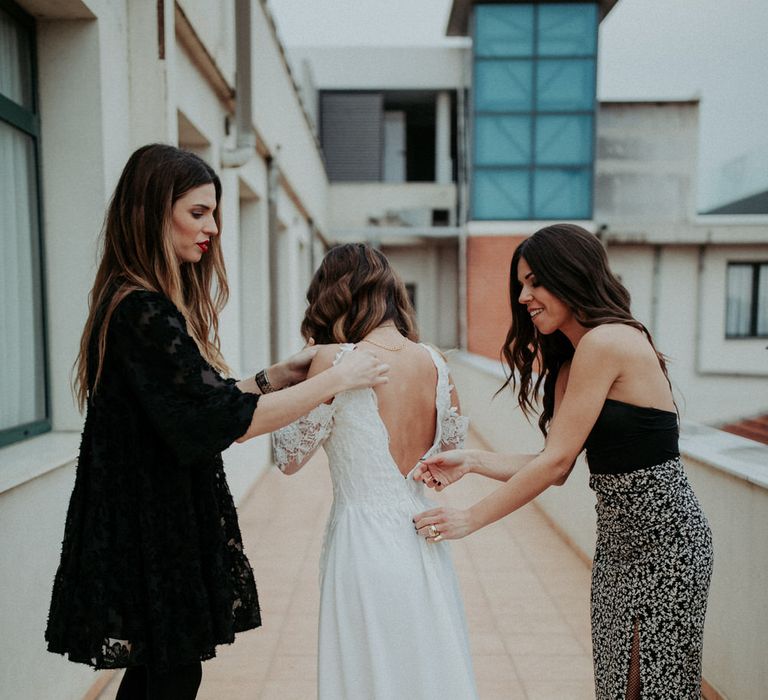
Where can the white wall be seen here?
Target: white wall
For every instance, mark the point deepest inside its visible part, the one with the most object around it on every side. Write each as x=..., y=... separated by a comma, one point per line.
x=31, y=527
x=353, y=204
x=645, y=164
x=679, y=292
x=252, y=263
x=634, y=266
x=215, y=30
x=433, y=270
x=716, y=354
x=281, y=121
x=292, y=279
x=104, y=90
x=73, y=153
x=384, y=68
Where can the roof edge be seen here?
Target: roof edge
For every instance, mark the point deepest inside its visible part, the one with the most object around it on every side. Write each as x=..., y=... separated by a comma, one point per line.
x=458, y=20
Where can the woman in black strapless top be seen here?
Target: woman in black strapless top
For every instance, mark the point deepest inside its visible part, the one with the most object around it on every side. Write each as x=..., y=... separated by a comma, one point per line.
x=604, y=388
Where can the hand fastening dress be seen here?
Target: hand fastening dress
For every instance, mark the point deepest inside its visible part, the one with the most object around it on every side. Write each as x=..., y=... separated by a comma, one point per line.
x=392, y=621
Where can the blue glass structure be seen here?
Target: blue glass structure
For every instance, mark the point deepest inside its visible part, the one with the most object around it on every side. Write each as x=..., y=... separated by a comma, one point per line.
x=533, y=110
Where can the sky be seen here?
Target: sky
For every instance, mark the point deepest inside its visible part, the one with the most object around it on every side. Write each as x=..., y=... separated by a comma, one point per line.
x=713, y=50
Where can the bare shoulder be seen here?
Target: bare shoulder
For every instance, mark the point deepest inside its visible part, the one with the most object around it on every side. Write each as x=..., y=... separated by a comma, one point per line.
x=437, y=351
x=609, y=349
x=324, y=358
x=610, y=339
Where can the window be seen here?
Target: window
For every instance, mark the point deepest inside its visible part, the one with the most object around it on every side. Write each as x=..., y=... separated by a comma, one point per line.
x=385, y=136
x=746, y=308
x=533, y=110
x=23, y=397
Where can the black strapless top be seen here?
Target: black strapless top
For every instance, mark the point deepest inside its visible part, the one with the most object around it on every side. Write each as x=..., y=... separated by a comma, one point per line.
x=626, y=437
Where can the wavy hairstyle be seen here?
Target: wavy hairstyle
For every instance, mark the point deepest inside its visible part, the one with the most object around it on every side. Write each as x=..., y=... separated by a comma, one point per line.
x=137, y=254
x=571, y=263
x=353, y=291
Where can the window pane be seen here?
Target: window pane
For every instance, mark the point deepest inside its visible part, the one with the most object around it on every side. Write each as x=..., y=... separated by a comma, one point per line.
x=564, y=85
x=567, y=30
x=501, y=194
x=762, y=301
x=565, y=140
x=15, y=62
x=22, y=378
x=502, y=140
x=503, y=86
x=738, y=300
x=562, y=194
x=503, y=30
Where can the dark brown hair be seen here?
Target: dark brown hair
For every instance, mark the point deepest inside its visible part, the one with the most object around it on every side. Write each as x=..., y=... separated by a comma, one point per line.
x=137, y=253
x=353, y=291
x=571, y=263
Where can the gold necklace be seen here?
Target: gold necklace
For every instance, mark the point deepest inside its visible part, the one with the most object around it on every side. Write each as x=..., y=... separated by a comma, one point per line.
x=386, y=347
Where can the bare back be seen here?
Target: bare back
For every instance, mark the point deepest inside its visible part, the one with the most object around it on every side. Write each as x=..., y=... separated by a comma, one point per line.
x=407, y=402
x=641, y=381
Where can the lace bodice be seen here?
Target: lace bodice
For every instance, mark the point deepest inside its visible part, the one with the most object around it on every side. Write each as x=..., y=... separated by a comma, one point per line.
x=357, y=442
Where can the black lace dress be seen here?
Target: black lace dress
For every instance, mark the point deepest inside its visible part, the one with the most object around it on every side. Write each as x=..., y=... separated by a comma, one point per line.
x=152, y=567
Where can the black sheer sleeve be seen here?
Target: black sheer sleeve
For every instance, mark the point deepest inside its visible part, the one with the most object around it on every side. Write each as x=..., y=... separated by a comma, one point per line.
x=196, y=412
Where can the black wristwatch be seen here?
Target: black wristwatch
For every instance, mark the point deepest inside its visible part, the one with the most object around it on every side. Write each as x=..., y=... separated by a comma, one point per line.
x=262, y=381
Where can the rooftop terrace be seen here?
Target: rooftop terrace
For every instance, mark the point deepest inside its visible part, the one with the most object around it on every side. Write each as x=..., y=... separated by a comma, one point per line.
x=526, y=594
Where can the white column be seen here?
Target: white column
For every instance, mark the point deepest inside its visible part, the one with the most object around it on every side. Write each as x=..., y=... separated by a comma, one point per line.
x=443, y=164
x=152, y=101
x=74, y=136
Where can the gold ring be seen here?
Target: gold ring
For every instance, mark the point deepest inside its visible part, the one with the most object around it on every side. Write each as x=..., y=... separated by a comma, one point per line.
x=437, y=538
x=433, y=531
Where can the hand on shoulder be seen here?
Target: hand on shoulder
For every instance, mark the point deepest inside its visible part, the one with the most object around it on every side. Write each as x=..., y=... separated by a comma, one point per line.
x=323, y=359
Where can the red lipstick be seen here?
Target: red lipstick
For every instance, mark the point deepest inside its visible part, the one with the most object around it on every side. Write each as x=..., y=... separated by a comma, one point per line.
x=203, y=246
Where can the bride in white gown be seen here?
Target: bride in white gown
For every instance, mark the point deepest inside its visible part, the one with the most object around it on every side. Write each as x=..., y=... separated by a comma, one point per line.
x=392, y=622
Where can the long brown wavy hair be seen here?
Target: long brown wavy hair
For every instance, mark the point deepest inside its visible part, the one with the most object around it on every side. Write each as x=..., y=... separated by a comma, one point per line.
x=137, y=254
x=353, y=291
x=571, y=263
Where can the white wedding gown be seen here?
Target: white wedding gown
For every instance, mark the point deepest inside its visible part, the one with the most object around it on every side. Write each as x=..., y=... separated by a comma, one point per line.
x=392, y=623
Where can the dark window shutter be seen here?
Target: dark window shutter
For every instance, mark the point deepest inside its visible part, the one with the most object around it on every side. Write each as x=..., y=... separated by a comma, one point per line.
x=351, y=133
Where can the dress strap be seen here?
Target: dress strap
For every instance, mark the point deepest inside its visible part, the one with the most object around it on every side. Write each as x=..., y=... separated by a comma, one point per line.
x=443, y=389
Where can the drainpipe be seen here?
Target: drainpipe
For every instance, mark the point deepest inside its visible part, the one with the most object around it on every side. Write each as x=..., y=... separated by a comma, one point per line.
x=655, y=289
x=462, y=208
x=245, y=146
x=700, y=311
x=443, y=169
x=274, y=261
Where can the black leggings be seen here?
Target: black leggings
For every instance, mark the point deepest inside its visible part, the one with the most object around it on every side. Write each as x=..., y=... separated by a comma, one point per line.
x=177, y=683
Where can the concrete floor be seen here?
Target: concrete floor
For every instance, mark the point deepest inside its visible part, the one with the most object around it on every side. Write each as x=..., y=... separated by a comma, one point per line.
x=526, y=595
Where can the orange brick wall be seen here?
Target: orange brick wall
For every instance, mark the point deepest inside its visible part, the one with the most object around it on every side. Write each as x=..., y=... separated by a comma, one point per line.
x=488, y=313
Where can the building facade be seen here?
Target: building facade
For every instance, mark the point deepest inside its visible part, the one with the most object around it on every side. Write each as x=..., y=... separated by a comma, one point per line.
x=446, y=157
x=82, y=84
x=511, y=136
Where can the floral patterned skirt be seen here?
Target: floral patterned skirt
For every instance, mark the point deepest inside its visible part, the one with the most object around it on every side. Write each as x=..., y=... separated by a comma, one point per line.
x=652, y=567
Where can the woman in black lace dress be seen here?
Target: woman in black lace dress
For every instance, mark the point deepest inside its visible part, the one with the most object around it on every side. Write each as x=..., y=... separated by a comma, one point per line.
x=606, y=390
x=153, y=575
